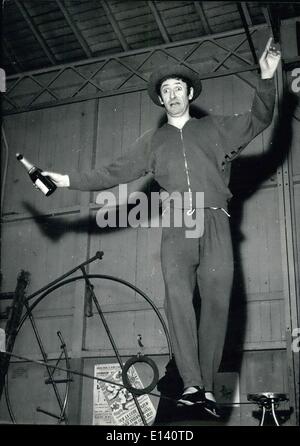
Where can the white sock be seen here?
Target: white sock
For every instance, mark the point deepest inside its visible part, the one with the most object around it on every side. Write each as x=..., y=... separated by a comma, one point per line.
x=189, y=390
x=210, y=396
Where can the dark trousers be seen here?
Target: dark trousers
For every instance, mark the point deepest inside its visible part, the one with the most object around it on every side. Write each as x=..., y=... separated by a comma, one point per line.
x=208, y=262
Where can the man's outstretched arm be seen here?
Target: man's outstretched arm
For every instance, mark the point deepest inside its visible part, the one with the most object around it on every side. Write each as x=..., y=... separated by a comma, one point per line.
x=123, y=169
x=237, y=131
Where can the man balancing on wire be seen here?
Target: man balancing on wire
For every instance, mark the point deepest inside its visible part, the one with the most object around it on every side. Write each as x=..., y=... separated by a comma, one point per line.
x=190, y=155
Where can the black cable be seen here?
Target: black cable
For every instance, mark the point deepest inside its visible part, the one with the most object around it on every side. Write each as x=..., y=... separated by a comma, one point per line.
x=85, y=375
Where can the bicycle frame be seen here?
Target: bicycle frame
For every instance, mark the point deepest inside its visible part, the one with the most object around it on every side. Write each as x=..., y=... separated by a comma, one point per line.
x=47, y=289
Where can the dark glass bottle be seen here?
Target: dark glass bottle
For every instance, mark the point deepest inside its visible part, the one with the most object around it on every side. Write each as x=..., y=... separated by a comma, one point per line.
x=45, y=184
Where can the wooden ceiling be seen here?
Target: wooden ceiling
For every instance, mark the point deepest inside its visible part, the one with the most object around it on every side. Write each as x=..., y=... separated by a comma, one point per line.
x=42, y=33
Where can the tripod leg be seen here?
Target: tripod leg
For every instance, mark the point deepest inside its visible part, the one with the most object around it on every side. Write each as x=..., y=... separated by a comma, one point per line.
x=262, y=416
x=273, y=413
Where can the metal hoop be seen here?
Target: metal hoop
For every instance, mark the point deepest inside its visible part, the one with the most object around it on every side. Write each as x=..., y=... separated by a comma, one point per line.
x=130, y=362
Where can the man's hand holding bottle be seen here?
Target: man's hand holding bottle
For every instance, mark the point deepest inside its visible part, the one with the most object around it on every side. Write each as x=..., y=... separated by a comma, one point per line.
x=58, y=179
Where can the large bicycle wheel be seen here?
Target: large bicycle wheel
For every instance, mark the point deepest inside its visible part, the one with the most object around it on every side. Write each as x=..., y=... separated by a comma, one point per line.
x=40, y=404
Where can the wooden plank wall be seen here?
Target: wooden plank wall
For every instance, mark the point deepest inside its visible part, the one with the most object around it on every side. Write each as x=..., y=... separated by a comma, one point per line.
x=293, y=185
x=49, y=236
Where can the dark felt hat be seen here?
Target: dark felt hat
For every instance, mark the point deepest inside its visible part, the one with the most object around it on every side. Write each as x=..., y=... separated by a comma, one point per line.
x=174, y=70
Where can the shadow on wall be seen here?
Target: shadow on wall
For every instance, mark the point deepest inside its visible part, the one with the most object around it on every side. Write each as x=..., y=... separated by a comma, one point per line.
x=54, y=228
x=247, y=175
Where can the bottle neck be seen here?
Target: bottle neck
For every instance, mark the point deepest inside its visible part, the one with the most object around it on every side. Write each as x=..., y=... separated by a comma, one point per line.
x=27, y=164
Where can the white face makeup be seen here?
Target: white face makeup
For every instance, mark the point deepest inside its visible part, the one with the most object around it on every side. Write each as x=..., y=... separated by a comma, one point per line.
x=174, y=96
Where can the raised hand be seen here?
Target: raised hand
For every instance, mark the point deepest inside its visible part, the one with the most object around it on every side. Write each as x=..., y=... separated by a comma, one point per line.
x=59, y=179
x=269, y=60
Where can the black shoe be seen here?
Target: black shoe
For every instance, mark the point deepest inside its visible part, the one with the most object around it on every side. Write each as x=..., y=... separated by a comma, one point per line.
x=212, y=408
x=190, y=399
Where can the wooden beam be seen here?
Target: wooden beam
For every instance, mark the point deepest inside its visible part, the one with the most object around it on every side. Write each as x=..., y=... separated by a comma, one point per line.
x=298, y=37
x=15, y=63
x=272, y=23
x=35, y=31
x=74, y=28
x=200, y=10
x=267, y=16
x=168, y=49
x=249, y=38
x=115, y=25
x=245, y=9
x=159, y=22
x=137, y=52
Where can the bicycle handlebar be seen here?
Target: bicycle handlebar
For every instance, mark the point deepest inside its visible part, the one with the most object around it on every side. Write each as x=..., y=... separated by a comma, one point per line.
x=98, y=255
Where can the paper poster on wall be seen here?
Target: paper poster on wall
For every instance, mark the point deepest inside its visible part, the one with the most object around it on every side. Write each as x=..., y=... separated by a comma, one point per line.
x=114, y=405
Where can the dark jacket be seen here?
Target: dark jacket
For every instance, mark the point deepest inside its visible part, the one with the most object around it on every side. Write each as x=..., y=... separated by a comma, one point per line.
x=208, y=145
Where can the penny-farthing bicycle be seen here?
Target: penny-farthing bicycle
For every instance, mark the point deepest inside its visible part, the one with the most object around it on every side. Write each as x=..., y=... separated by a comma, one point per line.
x=56, y=374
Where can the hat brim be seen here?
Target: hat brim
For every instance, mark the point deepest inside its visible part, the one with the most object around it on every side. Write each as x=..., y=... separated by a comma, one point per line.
x=173, y=71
